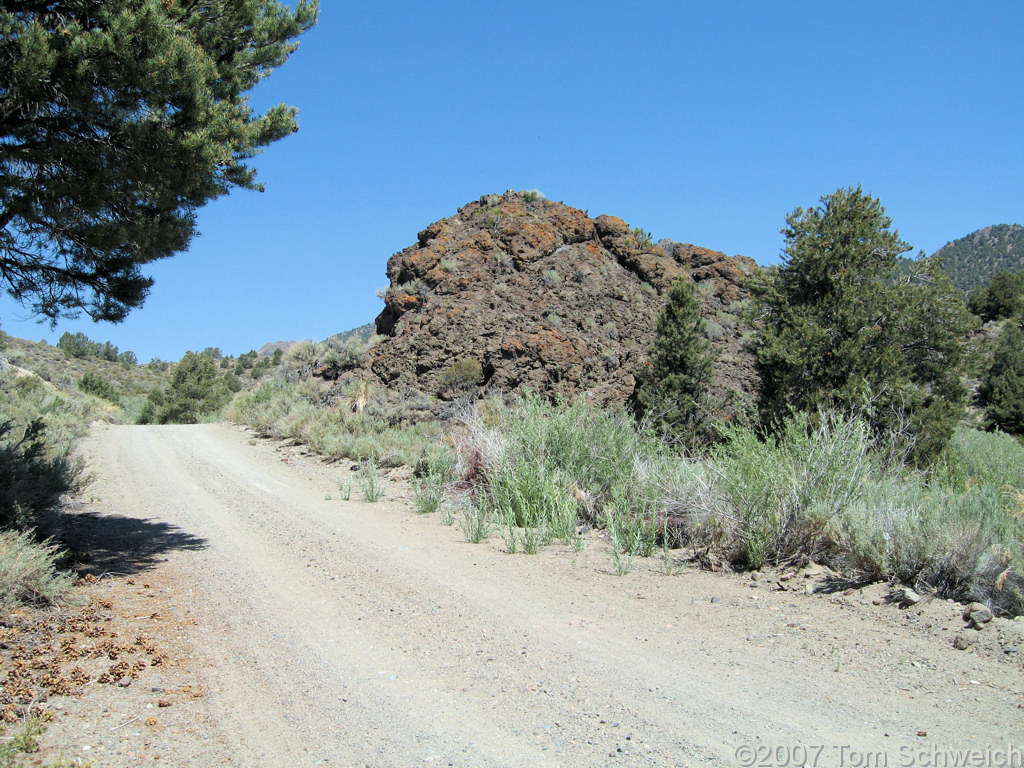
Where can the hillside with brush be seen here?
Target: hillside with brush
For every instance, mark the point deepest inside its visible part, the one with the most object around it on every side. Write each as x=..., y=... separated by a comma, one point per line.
x=973, y=260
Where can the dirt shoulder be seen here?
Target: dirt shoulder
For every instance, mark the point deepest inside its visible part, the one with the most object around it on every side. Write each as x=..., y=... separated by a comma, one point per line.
x=298, y=628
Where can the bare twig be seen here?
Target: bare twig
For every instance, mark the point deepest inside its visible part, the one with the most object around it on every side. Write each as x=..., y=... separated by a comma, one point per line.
x=122, y=725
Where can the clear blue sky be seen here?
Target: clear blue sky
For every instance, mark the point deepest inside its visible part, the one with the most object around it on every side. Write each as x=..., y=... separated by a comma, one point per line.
x=706, y=122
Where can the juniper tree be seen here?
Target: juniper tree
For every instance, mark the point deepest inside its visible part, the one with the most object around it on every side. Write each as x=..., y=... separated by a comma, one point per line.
x=681, y=366
x=118, y=121
x=841, y=325
x=197, y=390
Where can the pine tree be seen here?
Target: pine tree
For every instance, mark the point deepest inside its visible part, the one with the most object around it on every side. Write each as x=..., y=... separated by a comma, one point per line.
x=1004, y=384
x=842, y=326
x=1004, y=297
x=118, y=121
x=681, y=366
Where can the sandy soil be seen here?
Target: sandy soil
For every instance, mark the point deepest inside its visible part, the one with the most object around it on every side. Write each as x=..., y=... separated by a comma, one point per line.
x=301, y=629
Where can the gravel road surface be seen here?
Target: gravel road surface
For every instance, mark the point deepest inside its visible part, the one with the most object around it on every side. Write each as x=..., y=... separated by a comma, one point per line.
x=341, y=633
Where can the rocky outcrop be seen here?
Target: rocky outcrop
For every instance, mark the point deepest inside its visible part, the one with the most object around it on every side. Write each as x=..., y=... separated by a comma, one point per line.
x=520, y=292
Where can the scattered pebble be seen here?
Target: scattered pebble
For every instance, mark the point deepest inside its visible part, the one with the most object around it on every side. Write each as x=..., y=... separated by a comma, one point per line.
x=962, y=642
x=909, y=597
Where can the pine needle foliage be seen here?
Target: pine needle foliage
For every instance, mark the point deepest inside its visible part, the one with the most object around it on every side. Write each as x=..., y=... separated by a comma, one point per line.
x=841, y=326
x=1004, y=385
x=681, y=364
x=118, y=121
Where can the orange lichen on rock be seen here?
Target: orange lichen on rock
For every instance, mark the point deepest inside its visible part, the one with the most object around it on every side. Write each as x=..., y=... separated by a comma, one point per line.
x=546, y=298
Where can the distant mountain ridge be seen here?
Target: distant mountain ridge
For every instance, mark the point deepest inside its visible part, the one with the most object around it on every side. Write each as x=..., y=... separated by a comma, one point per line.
x=972, y=260
x=362, y=333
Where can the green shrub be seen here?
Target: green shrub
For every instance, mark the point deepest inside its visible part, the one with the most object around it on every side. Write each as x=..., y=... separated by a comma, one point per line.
x=642, y=238
x=94, y=384
x=1003, y=387
x=838, y=323
x=150, y=411
x=35, y=472
x=460, y=378
x=1004, y=297
x=23, y=742
x=673, y=391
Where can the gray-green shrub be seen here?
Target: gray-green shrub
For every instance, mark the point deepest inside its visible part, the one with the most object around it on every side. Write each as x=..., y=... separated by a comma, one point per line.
x=39, y=429
x=295, y=409
x=28, y=572
x=369, y=481
x=540, y=467
x=823, y=488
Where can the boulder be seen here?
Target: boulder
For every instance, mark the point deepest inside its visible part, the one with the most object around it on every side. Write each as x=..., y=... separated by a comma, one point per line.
x=547, y=299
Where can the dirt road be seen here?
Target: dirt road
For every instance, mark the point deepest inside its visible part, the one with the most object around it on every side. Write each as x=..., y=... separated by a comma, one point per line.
x=342, y=633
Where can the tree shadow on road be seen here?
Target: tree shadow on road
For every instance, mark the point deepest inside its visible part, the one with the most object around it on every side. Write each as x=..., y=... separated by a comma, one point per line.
x=115, y=544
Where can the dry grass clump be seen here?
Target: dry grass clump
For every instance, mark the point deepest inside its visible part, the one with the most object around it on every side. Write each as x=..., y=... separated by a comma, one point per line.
x=362, y=425
x=823, y=489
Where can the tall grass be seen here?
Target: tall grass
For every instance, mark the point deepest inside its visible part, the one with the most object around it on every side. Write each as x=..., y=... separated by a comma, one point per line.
x=784, y=494
x=541, y=469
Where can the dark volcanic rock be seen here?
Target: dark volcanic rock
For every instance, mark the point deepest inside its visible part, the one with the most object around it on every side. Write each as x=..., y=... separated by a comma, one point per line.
x=546, y=298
